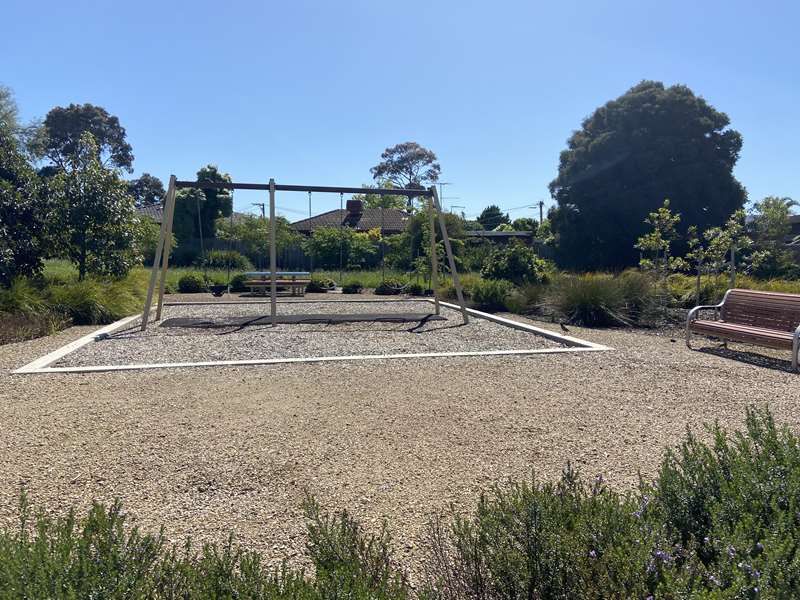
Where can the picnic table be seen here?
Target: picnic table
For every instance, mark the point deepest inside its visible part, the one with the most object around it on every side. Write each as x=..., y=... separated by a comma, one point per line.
x=293, y=281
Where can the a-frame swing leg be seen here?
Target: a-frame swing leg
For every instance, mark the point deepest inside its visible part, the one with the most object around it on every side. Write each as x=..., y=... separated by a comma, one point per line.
x=169, y=217
x=157, y=258
x=450, y=259
x=434, y=261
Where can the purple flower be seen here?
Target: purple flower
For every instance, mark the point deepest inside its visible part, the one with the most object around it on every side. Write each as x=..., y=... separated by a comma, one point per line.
x=592, y=554
x=731, y=551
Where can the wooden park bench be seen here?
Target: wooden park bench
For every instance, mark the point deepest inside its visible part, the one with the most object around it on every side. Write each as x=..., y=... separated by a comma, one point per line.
x=768, y=319
x=294, y=282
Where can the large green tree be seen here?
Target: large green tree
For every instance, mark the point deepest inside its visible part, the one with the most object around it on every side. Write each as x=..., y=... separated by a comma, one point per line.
x=651, y=143
x=407, y=165
x=146, y=190
x=9, y=113
x=492, y=217
x=24, y=215
x=59, y=138
x=96, y=218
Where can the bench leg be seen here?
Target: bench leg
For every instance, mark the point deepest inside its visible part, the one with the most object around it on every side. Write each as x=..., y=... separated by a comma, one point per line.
x=795, y=351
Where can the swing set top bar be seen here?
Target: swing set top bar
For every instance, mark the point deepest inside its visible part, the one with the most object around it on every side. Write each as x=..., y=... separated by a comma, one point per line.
x=280, y=187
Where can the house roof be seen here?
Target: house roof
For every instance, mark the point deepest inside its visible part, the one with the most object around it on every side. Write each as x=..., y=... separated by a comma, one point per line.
x=387, y=219
x=156, y=213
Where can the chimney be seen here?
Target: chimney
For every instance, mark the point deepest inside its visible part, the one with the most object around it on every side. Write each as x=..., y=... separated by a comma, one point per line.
x=355, y=207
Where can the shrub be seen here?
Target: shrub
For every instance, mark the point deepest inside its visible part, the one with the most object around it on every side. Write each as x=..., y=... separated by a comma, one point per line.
x=226, y=259
x=593, y=299
x=391, y=286
x=320, y=285
x=21, y=297
x=492, y=294
x=237, y=282
x=416, y=289
x=352, y=287
x=100, y=555
x=192, y=283
x=721, y=520
x=517, y=263
x=639, y=292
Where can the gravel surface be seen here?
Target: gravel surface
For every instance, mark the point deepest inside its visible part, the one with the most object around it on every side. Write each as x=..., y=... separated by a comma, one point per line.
x=180, y=344
x=207, y=451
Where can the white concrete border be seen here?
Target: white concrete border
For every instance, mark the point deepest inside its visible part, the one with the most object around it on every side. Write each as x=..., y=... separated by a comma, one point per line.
x=40, y=365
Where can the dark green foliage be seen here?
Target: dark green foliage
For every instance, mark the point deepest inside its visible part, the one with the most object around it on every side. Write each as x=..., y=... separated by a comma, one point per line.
x=416, y=289
x=353, y=287
x=147, y=235
x=492, y=217
x=23, y=215
x=237, y=282
x=93, y=302
x=147, y=190
x=525, y=224
x=391, y=286
x=95, y=218
x=407, y=165
x=649, y=144
x=192, y=283
x=100, y=556
x=320, y=285
x=59, y=139
x=492, y=294
x=226, y=259
x=515, y=262
x=332, y=247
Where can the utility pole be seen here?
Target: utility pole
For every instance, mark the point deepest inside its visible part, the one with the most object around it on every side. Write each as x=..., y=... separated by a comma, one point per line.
x=541, y=211
x=262, y=206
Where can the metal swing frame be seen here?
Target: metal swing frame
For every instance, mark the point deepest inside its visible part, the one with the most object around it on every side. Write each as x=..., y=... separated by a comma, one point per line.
x=158, y=275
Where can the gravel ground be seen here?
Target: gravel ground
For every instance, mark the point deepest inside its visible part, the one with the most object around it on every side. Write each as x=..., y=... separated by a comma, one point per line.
x=180, y=344
x=207, y=451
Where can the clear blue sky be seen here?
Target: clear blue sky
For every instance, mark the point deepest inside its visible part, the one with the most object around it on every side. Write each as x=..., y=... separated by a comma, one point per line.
x=312, y=92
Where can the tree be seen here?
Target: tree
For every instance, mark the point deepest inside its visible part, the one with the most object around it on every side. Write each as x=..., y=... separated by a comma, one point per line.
x=60, y=137
x=656, y=245
x=24, y=214
x=9, y=113
x=650, y=143
x=97, y=221
x=211, y=204
x=147, y=236
x=524, y=224
x=251, y=235
x=771, y=228
x=407, y=165
x=381, y=201
x=331, y=247
x=492, y=216
x=146, y=190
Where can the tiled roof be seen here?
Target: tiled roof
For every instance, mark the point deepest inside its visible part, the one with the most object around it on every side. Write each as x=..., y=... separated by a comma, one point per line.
x=156, y=212
x=392, y=220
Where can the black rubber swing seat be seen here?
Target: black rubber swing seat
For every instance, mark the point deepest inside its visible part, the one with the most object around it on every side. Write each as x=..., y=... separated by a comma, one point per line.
x=218, y=290
x=308, y=319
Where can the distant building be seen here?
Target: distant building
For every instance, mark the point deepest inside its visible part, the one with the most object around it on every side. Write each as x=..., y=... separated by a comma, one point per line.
x=356, y=216
x=155, y=212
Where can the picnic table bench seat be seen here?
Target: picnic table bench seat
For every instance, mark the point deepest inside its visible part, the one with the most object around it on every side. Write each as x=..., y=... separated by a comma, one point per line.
x=770, y=319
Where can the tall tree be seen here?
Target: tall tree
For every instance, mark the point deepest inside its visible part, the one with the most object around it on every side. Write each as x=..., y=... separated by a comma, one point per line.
x=651, y=143
x=24, y=215
x=97, y=223
x=407, y=165
x=59, y=138
x=381, y=201
x=9, y=113
x=146, y=190
x=771, y=229
x=492, y=217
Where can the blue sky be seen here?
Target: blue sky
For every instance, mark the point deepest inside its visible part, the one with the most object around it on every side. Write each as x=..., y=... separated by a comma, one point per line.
x=312, y=92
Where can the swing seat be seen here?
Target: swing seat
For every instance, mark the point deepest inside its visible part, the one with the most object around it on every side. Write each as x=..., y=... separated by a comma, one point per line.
x=218, y=290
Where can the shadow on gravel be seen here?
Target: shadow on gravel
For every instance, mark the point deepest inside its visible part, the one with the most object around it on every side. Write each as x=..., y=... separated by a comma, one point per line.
x=750, y=358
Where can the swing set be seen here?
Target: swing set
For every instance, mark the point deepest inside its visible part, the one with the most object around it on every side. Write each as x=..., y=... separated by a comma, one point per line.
x=158, y=275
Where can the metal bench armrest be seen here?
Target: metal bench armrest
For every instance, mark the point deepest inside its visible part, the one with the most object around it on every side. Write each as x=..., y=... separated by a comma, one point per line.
x=795, y=348
x=693, y=315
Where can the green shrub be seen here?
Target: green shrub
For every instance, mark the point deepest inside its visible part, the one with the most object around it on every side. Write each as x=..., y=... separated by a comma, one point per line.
x=391, y=286
x=82, y=301
x=353, y=287
x=21, y=297
x=492, y=294
x=226, y=259
x=593, y=299
x=416, y=289
x=237, y=282
x=192, y=283
x=516, y=263
x=639, y=291
x=100, y=555
x=320, y=284
x=721, y=520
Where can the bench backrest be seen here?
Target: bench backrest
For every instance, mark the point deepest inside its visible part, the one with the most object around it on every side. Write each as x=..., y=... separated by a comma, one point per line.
x=770, y=310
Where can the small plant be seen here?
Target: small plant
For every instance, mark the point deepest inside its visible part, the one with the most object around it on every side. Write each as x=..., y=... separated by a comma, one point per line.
x=192, y=283
x=238, y=283
x=353, y=287
x=225, y=259
x=592, y=299
x=320, y=285
x=516, y=263
x=390, y=286
x=492, y=294
x=416, y=289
